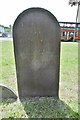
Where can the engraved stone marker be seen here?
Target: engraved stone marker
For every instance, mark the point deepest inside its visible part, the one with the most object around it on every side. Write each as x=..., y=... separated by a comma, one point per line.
x=36, y=37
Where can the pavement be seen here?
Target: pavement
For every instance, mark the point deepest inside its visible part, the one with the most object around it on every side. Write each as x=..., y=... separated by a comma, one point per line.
x=5, y=39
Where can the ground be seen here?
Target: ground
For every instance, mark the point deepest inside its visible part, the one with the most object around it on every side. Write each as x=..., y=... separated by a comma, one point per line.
x=64, y=107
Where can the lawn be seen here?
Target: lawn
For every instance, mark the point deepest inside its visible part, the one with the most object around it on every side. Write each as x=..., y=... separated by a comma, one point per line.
x=65, y=107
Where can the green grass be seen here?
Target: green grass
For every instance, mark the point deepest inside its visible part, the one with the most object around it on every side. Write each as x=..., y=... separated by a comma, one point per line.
x=8, y=75
x=65, y=107
x=69, y=74
x=7, y=60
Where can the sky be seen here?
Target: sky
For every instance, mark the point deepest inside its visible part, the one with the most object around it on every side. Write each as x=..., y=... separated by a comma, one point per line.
x=10, y=9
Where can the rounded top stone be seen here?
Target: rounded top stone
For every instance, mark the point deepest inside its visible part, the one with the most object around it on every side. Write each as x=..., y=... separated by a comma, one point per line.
x=36, y=38
x=7, y=93
x=32, y=10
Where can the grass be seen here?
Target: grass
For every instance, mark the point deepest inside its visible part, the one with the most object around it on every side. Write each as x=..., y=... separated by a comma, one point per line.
x=65, y=107
x=8, y=64
x=69, y=74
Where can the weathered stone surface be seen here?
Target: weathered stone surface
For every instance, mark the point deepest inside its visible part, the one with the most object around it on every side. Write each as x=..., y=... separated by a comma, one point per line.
x=6, y=93
x=36, y=37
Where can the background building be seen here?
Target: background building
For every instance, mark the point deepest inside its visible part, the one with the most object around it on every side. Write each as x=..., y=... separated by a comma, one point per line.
x=1, y=29
x=5, y=31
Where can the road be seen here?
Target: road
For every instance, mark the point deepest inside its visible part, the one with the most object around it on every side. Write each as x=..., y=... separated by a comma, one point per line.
x=5, y=39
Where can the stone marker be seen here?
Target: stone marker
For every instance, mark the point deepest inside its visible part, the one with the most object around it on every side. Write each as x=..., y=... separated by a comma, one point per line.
x=36, y=37
x=6, y=93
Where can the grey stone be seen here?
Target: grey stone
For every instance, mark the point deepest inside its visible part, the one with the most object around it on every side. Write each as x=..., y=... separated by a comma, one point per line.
x=36, y=38
x=6, y=93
